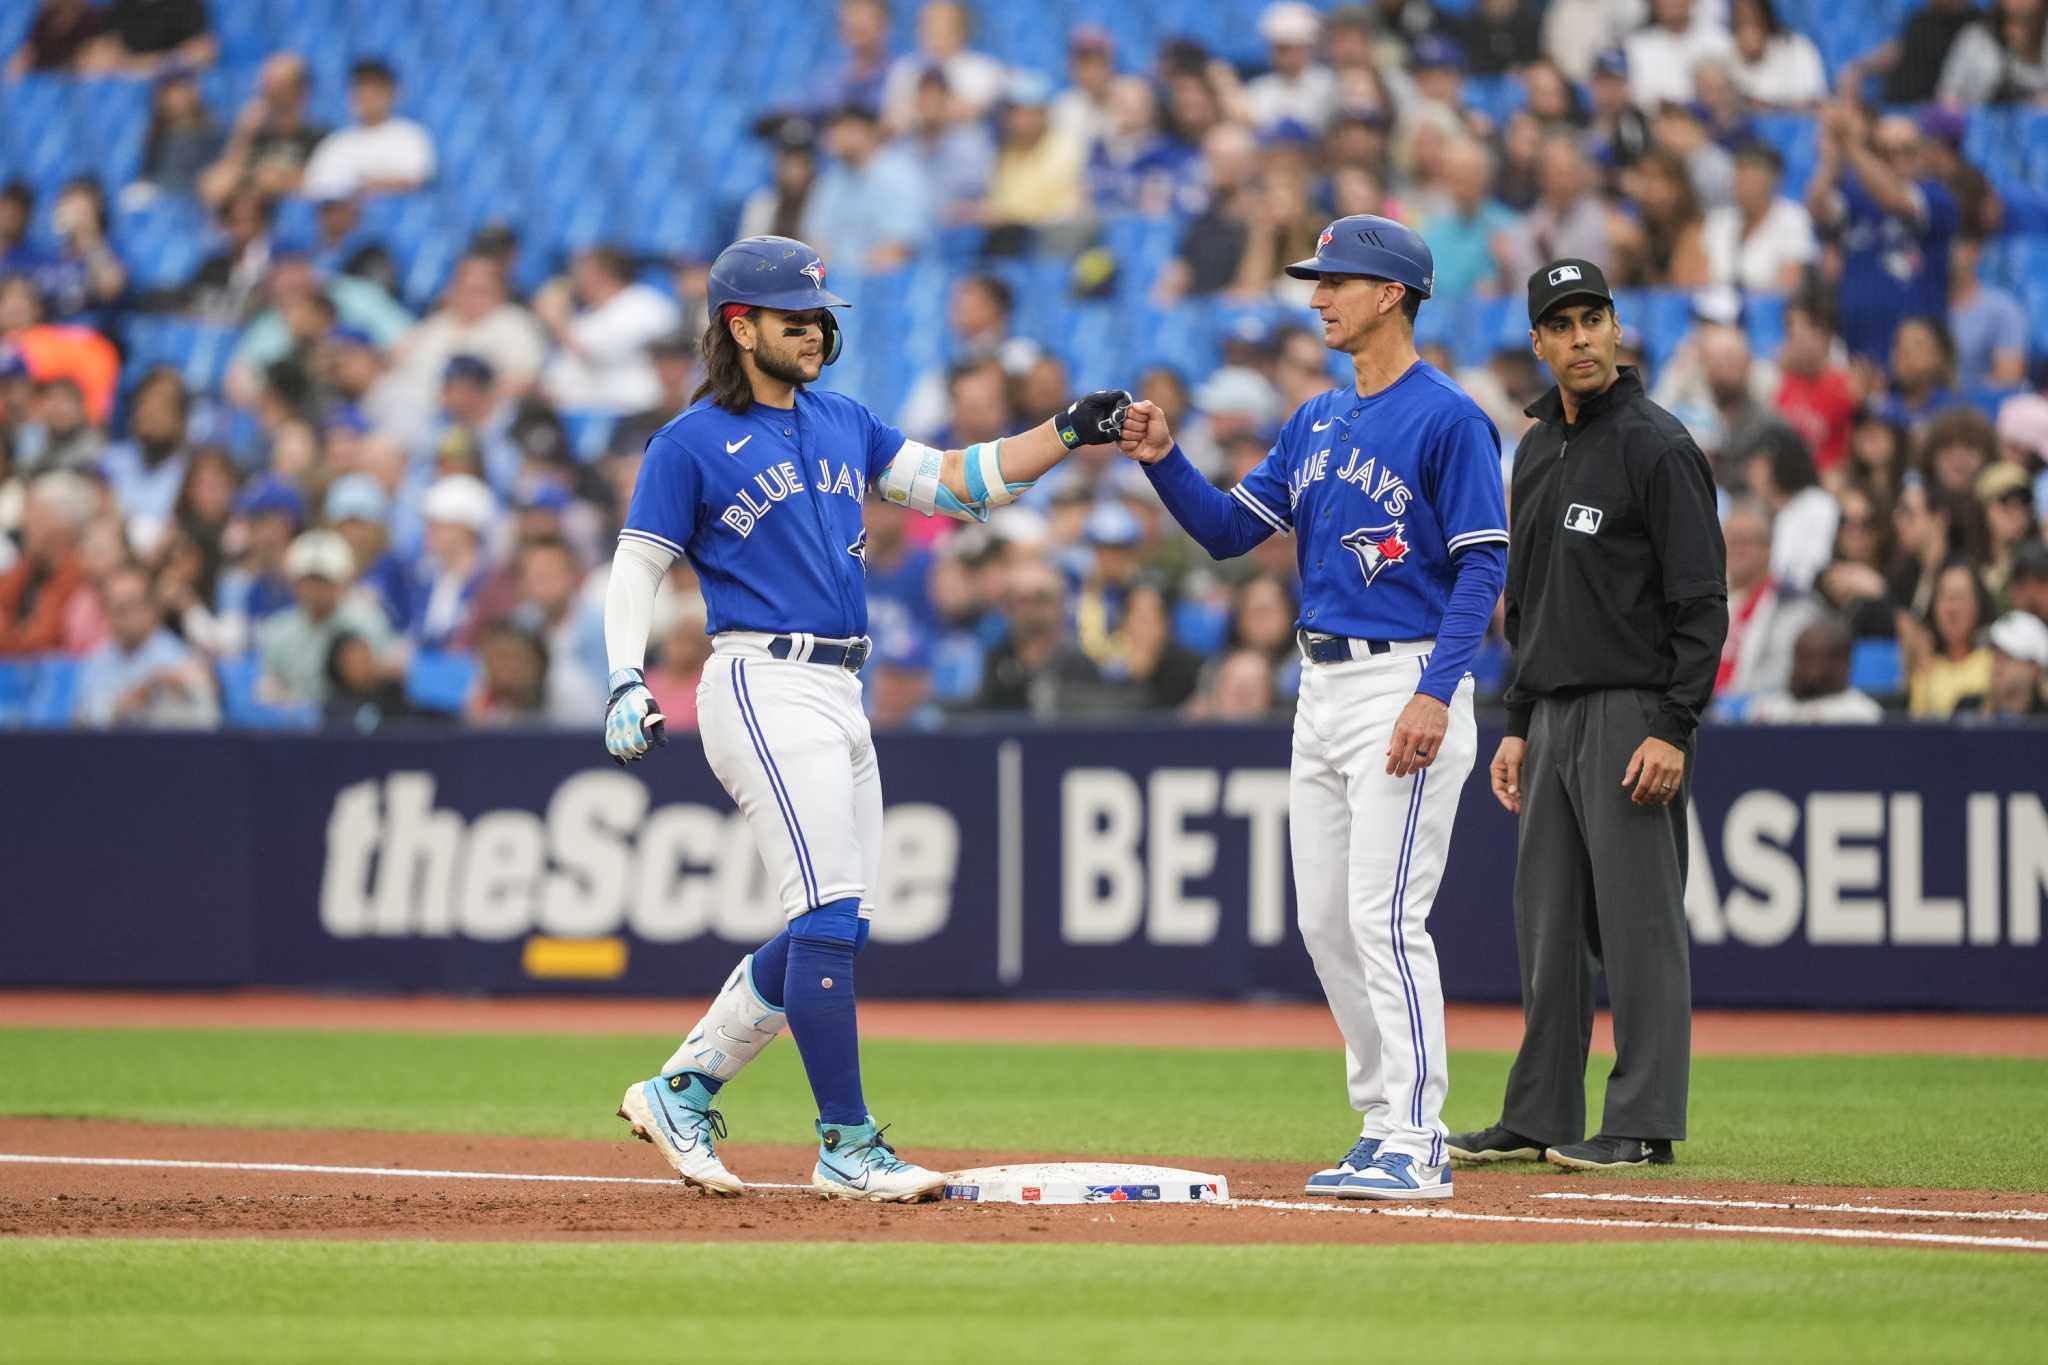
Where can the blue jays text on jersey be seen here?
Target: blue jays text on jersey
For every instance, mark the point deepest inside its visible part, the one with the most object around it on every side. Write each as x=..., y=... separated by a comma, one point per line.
x=1381, y=492
x=766, y=504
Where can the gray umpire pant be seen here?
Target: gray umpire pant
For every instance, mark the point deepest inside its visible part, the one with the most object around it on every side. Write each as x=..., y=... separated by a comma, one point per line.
x=1599, y=885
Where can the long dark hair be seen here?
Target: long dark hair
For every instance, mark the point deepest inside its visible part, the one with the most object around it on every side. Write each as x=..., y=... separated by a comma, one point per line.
x=725, y=378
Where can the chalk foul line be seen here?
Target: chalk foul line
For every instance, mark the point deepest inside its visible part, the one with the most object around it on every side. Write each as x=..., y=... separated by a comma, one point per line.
x=1285, y=1205
x=1985, y=1215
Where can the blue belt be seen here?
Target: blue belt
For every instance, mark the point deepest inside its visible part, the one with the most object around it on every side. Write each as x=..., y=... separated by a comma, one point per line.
x=852, y=658
x=1337, y=649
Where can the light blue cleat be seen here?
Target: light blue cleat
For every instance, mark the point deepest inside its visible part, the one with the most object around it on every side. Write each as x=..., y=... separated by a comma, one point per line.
x=1352, y=1162
x=1396, y=1175
x=855, y=1163
x=675, y=1114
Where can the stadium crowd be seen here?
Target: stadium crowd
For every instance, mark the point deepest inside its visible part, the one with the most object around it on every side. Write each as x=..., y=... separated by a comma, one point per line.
x=379, y=516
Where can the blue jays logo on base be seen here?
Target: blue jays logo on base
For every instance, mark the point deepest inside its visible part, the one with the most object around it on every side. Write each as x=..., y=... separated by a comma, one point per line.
x=815, y=272
x=1377, y=547
x=1119, y=1194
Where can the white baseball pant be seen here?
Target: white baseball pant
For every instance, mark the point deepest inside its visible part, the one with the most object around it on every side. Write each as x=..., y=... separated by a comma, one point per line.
x=792, y=747
x=1369, y=852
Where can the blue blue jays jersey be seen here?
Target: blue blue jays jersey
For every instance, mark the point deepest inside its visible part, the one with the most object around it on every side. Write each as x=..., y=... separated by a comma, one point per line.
x=1380, y=493
x=767, y=506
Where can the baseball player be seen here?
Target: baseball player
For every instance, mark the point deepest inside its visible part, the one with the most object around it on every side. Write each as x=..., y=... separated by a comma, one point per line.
x=1391, y=487
x=759, y=482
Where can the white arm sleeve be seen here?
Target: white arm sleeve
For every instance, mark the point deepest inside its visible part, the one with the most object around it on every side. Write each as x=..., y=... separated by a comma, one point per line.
x=637, y=569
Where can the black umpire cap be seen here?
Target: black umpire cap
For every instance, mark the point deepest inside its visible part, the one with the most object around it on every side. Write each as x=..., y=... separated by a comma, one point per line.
x=1561, y=280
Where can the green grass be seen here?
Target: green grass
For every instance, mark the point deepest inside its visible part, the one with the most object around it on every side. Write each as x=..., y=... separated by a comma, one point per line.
x=1935, y=1121
x=279, y=1303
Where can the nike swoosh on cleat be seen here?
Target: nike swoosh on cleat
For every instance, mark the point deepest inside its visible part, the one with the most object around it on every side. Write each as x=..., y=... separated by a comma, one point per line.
x=1322, y=425
x=846, y=1179
x=732, y=447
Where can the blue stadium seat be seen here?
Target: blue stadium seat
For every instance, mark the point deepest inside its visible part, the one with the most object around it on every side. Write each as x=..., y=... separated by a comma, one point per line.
x=17, y=680
x=53, y=690
x=1874, y=667
x=241, y=709
x=440, y=682
x=1201, y=626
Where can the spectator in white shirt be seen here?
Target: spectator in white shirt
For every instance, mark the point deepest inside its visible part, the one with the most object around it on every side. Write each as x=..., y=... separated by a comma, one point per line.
x=377, y=154
x=975, y=78
x=1773, y=66
x=1661, y=57
x=603, y=321
x=1081, y=114
x=1764, y=617
x=1804, y=516
x=1298, y=88
x=143, y=674
x=1763, y=242
x=477, y=317
x=1577, y=31
x=1818, y=691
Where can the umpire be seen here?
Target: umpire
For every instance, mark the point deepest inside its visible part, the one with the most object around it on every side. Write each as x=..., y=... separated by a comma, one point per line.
x=1617, y=606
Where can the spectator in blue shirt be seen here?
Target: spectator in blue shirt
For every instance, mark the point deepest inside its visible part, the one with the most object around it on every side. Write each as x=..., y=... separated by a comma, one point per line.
x=357, y=507
x=1923, y=372
x=871, y=210
x=18, y=254
x=857, y=76
x=1135, y=167
x=1989, y=324
x=143, y=674
x=1895, y=224
x=145, y=472
x=954, y=155
x=1461, y=234
x=258, y=588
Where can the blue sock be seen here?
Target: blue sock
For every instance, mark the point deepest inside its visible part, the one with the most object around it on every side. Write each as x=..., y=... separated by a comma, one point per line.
x=771, y=962
x=822, y=1016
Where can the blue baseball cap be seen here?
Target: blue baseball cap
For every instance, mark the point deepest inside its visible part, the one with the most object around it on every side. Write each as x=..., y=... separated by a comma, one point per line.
x=547, y=497
x=1434, y=51
x=272, y=494
x=356, y=497
x=348, y=335
x=1113, y=524
x=1612, y=62
x=1378, y=248
x=473, y=368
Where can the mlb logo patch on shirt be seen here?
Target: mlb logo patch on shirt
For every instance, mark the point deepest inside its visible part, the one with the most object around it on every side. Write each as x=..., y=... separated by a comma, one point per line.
x=1581, y=518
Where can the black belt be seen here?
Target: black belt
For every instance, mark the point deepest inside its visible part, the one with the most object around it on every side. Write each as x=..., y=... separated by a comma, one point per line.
x=852, y=658
x=1337, y=649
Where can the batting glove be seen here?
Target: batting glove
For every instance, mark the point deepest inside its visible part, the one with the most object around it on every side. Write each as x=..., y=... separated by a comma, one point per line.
x=631, y=724
x=1096, y=420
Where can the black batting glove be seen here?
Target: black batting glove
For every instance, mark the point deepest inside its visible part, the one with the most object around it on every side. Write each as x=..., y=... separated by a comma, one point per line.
x=1096, y=420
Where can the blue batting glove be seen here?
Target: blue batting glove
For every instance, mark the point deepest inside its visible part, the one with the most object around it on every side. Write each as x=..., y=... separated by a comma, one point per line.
x=631, y=724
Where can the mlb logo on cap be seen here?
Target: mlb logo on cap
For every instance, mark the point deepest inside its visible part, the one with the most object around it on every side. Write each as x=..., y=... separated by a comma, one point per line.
x=1563, y=273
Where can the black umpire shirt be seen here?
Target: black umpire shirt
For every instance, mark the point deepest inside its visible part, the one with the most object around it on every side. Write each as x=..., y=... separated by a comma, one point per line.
x=1617, y=574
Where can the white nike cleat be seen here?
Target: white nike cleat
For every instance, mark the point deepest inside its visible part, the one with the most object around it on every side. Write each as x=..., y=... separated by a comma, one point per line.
x=675, y=1114
x=855, y=1163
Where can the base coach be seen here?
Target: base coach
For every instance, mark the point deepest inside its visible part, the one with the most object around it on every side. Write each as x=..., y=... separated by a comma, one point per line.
x=1617, y=606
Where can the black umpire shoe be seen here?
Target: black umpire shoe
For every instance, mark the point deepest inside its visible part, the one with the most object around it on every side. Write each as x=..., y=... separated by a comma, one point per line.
x=1611, y=1153
x=1492, y=1144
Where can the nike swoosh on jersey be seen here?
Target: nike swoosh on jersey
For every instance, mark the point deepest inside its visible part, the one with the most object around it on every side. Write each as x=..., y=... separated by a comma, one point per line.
x=732, y=447
x=1322, y=425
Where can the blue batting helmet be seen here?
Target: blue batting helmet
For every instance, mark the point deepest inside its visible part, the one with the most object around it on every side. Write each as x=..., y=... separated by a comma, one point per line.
x=1367, y=244
x=774, y=272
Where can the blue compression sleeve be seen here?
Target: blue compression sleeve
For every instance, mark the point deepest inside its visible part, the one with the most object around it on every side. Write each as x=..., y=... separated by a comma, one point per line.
x=771, y=963
x=818, y=995
x=1482, y=570
x=1219, y=523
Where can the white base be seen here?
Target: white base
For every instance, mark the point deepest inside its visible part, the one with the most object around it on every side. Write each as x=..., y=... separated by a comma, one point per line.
x=1085, y=1182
